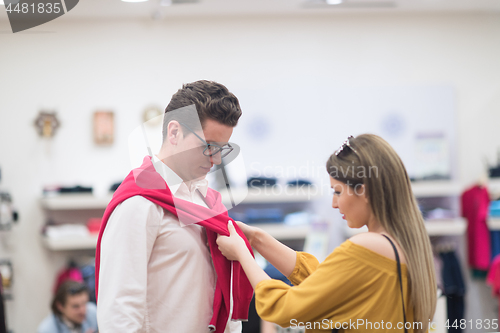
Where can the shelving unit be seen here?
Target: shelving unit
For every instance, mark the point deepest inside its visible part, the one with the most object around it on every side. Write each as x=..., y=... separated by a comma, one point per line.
x=452, y=227
x=74, y=202
x=494, y=223
x=282, y=231
x=277, y=230
x=271, y=195
x=71, y=243
x=494, y=190
x=448, y=227
x=437, y=188
x=67, y=205
x=494, y=187
x=287, y=198
x=259, y=196
x=434, y=189
x=79, y=202
x=439, y=227
x=89, y=201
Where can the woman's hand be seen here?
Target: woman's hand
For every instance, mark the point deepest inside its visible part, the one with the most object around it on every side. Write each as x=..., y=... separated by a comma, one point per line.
x=249, y=231
x=232, y=247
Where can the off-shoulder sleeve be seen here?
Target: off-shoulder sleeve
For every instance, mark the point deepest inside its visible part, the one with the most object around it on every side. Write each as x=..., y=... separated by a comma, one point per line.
x=305, y=264
x=321, y=289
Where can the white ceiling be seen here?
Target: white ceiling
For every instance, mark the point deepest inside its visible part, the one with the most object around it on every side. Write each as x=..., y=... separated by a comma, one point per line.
x=92, y=9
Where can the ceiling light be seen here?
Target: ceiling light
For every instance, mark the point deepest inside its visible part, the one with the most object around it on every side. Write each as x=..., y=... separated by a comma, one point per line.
x=334, y=2
x=1, y=2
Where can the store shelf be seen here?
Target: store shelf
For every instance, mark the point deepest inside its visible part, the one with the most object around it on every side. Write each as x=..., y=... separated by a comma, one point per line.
x=264, y=195
x=494, y=187
x=438, y=188
x=282, y=231
x=279, y=231
x=74, y=202
x=272, y=194
x=448, y=227
x=494, y=223
x=71, y=243
x=452, y=227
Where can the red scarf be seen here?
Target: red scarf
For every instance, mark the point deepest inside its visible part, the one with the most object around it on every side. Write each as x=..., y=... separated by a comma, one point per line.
x=146, y=182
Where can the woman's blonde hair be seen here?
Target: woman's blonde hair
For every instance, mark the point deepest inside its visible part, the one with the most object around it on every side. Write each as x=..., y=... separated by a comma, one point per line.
x=371, y=161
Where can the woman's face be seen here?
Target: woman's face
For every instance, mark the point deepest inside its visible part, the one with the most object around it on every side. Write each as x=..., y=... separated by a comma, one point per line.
x=352, y=203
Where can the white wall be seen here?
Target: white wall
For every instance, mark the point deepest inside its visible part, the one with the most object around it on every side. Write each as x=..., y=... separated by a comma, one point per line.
x=79, y=67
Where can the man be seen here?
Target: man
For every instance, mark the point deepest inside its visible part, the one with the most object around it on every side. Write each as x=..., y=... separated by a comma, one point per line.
x=158, y=268
x=71, y=311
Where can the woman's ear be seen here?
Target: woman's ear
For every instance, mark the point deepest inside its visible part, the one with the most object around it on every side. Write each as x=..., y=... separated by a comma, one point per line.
x=365, y=194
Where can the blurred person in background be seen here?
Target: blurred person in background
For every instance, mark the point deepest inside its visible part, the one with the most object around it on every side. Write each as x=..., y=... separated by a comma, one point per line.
x=71, y=311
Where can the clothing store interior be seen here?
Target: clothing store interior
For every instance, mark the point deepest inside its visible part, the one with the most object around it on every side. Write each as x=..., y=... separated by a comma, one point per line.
x=83, y=97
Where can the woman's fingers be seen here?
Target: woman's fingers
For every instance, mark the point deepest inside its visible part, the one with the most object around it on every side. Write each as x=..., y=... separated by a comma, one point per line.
x=229, y=246
x=231, y=228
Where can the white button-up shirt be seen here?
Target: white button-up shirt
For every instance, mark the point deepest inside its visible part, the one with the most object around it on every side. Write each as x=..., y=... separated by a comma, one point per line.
x=156, y=274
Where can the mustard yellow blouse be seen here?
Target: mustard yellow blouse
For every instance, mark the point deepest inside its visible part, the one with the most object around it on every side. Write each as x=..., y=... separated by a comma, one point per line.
x=354, y=289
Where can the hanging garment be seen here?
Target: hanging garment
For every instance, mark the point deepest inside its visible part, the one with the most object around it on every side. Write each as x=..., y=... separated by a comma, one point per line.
x=495, y=243
x=453, y=288
x=493, y=278
x=88, y=274
x=146, y=182
x=475, y=203
x=3, y=325
x=71, y=272
x=438, y=267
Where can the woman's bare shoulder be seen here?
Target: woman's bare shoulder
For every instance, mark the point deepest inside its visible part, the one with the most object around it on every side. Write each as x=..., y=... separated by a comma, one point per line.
x=377, y=243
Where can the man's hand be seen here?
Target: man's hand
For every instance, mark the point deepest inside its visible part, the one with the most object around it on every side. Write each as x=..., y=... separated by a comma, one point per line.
x=232, y=247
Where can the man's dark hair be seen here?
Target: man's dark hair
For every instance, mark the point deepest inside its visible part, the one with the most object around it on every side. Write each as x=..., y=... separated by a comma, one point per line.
x=212, y=101
x=67, y=288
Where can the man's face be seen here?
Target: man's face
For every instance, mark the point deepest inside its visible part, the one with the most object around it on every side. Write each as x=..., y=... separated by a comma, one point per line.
x=192, y=164
x=75, y=308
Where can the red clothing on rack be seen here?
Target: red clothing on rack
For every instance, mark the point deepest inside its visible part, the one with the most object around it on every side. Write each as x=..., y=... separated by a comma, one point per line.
x=493, y=278
x=146, y=182
x=475, y=204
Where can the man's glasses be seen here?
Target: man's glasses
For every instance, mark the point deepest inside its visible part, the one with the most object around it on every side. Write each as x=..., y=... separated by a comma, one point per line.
x=345, y=144
x=211, y=148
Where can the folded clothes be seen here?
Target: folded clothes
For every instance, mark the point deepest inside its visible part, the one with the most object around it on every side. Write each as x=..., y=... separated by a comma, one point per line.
x=263, y=215
x=61, y=189
x=495, y=208
x=66, y=230
x=299, y=182
x=114, y=187
x=261, y=181
x=75, y=189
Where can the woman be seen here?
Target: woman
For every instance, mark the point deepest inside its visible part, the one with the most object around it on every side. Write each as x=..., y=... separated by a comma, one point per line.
x=357, y=287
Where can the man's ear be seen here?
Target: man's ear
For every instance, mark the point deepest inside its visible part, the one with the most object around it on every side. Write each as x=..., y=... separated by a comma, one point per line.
x=59, y=307
x=174, y=132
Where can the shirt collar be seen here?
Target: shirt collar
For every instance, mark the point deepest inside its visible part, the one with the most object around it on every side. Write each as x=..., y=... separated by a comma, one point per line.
x=173, y=180
x=70, y=325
